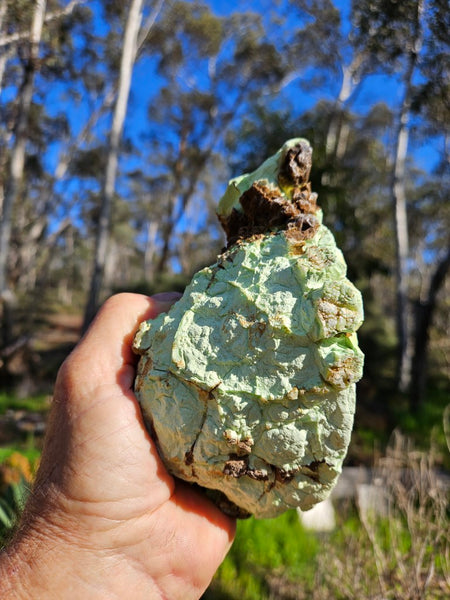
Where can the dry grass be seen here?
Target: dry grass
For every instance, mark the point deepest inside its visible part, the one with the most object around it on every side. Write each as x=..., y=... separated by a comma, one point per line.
x=401, y=548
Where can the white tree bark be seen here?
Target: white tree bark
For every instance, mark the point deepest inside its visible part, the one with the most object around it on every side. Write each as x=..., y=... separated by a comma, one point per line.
x=17, y=158
x=3, y=9
x=399, y=204
x=398, y=199
x=334, y=145
x=146, y=28
x=150, y=249
x=4, y=58
x=338, y=131
x=347, y=85
x=13, y=38
x=128, y=59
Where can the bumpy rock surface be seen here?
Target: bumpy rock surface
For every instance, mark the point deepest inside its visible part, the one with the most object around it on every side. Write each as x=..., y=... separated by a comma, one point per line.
x=248, y=383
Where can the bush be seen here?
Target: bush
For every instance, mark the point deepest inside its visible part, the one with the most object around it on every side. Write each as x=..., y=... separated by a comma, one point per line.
x=274, y=556
x=16, y=475
x=400, y=550
x=397, y=548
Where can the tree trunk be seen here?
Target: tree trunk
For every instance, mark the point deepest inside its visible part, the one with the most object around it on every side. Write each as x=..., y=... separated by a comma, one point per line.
x=333, y=134
x=338, y=130
x=150, y=250
x=126, y=69
x=170, y=223
x=19, y=36
x=17, y=160
x=5, y=56
x=423, y=319
x=3, y=10
x=398, y=200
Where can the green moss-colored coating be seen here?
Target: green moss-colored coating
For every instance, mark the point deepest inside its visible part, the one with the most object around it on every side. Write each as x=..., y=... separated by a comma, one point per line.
x=248, y=383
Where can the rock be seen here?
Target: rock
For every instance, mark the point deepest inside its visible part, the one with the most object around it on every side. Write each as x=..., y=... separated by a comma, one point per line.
x=247, y=384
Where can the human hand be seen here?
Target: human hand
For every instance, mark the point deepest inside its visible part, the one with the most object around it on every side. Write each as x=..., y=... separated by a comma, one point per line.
x=105, y=519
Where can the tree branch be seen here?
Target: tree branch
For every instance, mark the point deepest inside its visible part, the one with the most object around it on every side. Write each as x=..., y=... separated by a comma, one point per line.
x=51, y=16
x=145, y=30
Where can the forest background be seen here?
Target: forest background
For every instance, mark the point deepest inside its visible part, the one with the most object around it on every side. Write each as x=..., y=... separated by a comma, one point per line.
x=121, y=122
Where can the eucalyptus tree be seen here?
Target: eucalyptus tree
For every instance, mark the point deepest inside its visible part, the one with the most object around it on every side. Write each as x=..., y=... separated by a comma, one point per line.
x=431, y=211
x=400, y=38
x=393, y=34
x=17, y=156
x=359, y=149
x=133, y=35
x=35, y=46
x=323, y=59
x=130, y=45
x=326, y=69
x=212, y=67
x=407, y=42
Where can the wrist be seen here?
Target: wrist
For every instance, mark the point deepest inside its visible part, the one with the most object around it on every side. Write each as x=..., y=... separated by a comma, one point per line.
x=31, y=565
x=45, y=561
x=39, y=563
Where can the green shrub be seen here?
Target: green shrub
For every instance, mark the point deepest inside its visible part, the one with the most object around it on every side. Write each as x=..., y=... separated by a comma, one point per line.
x=401, y=551
x=39, y=403
x=265, y=555
x=12, y=502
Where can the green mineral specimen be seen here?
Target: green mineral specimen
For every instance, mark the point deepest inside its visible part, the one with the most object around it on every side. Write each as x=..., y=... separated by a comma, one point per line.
x=247, y=384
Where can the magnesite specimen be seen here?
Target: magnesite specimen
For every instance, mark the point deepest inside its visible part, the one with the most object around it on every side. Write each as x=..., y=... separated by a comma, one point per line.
x=247, y=384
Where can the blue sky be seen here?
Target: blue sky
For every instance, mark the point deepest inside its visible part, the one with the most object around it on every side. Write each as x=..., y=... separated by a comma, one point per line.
x=146, y=83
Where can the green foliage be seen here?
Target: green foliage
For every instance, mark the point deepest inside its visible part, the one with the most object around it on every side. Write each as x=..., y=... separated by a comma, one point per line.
x=15, y=443
x=39, y=403
x=16, y=475
x=385, y=29
x=89, y=163
x=264, y=551
x=12, y=502
x=399, y=550
x=196, y=33
x=319, y=42
x=31, y=453
x=206, y=29
x=428, y=421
